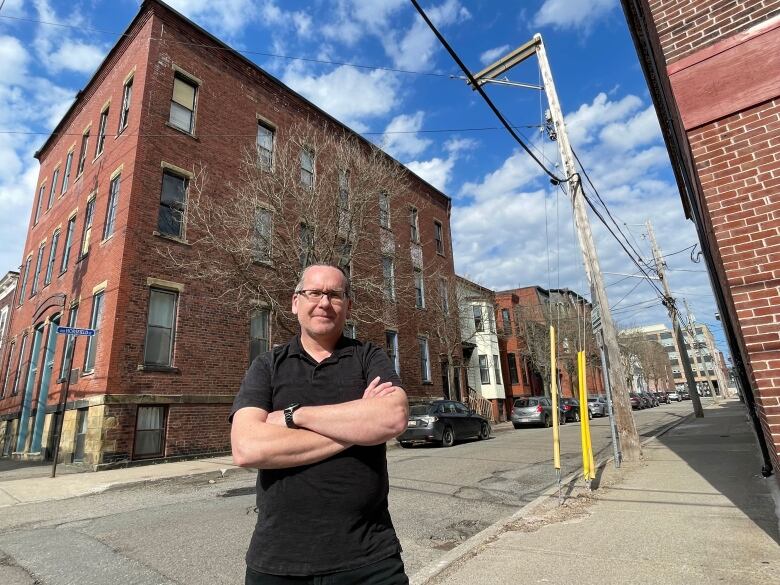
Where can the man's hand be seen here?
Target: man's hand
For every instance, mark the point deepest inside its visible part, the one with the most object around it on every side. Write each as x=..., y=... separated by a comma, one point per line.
x=377, y=390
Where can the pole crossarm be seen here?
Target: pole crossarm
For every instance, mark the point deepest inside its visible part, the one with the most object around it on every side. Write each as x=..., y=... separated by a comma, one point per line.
x=508, y=61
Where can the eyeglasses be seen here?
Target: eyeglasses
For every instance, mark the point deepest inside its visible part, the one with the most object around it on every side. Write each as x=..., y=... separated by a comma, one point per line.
x=315, y=295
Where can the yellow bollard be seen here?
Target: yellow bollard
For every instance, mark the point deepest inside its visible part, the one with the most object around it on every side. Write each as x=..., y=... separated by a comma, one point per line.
x=583, y=417
x=589, y=465
x=554, y=396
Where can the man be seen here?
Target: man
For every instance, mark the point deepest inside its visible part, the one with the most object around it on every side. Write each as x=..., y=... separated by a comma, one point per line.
x=313, y=416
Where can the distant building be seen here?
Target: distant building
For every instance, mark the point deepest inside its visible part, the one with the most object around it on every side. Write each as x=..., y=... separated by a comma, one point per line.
x=158, y=378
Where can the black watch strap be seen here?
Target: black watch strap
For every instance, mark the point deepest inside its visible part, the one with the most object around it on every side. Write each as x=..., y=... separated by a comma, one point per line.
x=288, y=415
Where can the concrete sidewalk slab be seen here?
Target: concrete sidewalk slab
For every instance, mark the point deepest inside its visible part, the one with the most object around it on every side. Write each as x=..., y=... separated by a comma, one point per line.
x=695, y=511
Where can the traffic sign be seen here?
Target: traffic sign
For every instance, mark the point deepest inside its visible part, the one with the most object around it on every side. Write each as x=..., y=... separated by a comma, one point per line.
x=74, y=331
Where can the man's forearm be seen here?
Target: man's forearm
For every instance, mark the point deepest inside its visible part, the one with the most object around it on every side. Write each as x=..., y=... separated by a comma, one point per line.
x=360, y=422
x=272, y=447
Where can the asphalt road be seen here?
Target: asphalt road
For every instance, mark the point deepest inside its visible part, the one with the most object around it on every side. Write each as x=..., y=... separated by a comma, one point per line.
x=193, y=532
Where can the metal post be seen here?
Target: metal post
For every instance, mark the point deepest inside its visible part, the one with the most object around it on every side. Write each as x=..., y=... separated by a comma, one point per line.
x=701, y=362
x=615, y=445
x=61, y=407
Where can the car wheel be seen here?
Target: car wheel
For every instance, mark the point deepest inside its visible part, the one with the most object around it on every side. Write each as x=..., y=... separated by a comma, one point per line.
x=576, y=417
x=562, y=420
x=484, y=431
x=590, y=415
x=447, y=438
x=546, y=422
x=405, y=444
x=517, y=426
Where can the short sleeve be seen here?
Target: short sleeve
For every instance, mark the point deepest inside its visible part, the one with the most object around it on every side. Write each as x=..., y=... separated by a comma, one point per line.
x=378, y=364
x=255, y=388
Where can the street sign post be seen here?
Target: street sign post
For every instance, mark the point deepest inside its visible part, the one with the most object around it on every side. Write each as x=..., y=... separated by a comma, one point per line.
x=60, y=416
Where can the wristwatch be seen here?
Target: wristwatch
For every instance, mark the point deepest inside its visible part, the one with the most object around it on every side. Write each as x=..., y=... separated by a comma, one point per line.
x=288, y=415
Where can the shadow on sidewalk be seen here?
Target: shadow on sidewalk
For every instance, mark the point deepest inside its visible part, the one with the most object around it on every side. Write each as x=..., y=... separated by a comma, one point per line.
x=722, y=448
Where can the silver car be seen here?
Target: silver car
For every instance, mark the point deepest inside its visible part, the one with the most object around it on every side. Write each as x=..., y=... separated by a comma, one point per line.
x=534, y=410
x=598, y=406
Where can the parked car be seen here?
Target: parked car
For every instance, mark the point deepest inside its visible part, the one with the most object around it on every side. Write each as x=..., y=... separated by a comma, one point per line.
x=685, y=395
x=662, y=397
x=674, y=396
x=598, y=405
x=650, y=401
x=571, y=409
x=443, y=422
x=534, y=410
x=636, y=402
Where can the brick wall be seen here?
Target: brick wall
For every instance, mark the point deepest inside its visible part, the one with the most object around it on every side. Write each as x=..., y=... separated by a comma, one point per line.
x=685, y=26
x=738, y=161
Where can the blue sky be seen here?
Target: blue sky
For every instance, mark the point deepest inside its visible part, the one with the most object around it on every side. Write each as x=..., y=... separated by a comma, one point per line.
x=510, y=227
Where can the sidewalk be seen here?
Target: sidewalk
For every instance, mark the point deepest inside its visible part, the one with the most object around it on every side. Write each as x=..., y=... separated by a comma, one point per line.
x=695, y=510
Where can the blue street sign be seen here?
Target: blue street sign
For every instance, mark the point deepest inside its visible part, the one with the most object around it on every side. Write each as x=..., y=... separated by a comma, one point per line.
x=74, y=331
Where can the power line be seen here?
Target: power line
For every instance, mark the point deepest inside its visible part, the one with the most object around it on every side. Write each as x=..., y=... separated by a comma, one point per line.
x=241, y=51
x=625, y=296
x=482, y=93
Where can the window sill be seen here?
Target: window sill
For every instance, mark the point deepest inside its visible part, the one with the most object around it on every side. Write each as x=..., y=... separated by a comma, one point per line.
x=427, y=383
x=441, y=254
x=80, y=258
x=121, y=132
x=171, y=238
x=78, y=177
x=108, y=239
x=182, y=131
x=97, y=156
x=87, y=374
x=158, y=369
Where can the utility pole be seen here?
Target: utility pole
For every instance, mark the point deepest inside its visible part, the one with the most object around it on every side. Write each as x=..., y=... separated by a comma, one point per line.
x=624, y=418
x=675, y=318
x=691, y=326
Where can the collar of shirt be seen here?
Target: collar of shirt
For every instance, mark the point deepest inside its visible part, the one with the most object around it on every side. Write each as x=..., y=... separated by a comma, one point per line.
x=344, y=347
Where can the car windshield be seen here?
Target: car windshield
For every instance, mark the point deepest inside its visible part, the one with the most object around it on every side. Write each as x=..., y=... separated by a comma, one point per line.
x=524, y=402
x=419, y=410
x=593, y=399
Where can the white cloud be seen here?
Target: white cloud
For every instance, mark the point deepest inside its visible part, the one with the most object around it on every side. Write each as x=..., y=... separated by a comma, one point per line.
x=226, y=17
x=76, y=56
x=13, y=60
x=401, y=138
x=515, y=175
x=641, y=129
x=436, y=171
x=492, y=54
x=414, y=50
x=349, y=95
x=353, y=19
x=583, y=123
x=573, y=14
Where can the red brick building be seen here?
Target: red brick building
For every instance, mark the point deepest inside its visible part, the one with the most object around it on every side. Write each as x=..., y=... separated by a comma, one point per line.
x=159, y=376
x=713, y=68
x=536, y=304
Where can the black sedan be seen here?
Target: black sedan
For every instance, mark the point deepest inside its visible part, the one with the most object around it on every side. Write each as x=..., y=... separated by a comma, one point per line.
x=571, y=409
x=443, y=422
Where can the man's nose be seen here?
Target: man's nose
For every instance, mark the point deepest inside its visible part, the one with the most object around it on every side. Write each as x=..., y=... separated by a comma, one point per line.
x=326, y=300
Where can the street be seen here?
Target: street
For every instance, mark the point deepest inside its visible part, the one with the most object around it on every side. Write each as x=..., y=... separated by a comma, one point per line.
x=191, y=531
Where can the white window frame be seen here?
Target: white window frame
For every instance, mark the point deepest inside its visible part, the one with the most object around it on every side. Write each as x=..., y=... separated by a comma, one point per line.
x=264, y=152
x=172, y=342
x=391, y=342
x=182, y=107
x=425, y=359
x=484, y=369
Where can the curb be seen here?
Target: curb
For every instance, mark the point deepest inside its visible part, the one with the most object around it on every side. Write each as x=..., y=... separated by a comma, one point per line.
x=426, y=574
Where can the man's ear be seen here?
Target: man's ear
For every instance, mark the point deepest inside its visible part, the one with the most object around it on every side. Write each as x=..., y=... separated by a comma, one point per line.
x=295, y=304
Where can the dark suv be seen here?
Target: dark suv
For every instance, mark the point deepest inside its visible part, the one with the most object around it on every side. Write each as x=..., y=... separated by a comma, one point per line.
x=443, y=422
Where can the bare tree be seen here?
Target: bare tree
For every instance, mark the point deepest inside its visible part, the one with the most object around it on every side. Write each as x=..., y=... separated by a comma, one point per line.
x=319, y=195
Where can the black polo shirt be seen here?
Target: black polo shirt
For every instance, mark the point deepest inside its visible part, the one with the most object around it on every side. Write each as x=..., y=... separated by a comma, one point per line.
x=331, y=515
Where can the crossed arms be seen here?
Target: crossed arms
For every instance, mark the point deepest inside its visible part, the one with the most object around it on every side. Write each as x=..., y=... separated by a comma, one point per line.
x=261, y=439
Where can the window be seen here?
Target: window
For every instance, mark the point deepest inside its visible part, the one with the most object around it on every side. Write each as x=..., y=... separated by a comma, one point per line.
x=484, y=369
x=52, y=256
x=3, y=321
x=343, y=202
x=7, y=371
x=479, y=323
x=69, y=341
x=307, y=167
x=507, y=321
x=444, y=293
x=438, y=236
x=419, y=289
x=524, y=371
x=20, y=361
x=54, y=180
x=158, y=349
x=265, y=146
x=263, y=230
x=414, y=228
x=24, y=280
x=425, y=362
x=170, y=219
x=388, y=276
x=87, y=232
x=349, y=330
x=83, y=153
x=512, y=362
x=124, y=114
x=391, y=342
x=307, y=245
x=258, y=334
x=38, y=207
x=94, y=323
x=183, y=104
x=497, y=368
x=66, y=174
x=113, y=199
x=101, y=137
x=149, y=431
x=384, y=209
x=38, y=266
x=68, y=242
